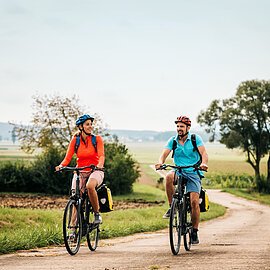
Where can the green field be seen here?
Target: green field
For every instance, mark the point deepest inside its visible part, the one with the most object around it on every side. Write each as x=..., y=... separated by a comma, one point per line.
x=9, y=151
x=221, y=159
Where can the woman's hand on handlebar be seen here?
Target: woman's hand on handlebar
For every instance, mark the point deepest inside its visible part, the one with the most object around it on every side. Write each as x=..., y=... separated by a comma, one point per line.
x=99, y=168
x=57, y=168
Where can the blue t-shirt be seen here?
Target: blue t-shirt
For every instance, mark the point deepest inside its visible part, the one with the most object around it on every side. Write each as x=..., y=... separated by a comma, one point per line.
x=185, y=155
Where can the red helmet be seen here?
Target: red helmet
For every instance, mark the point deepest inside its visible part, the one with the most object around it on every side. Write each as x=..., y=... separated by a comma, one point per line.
x=183, y=119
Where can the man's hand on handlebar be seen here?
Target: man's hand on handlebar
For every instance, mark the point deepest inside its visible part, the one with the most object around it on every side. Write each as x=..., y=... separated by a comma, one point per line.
x=203, y=167
x=157, y=166
x=161, y=166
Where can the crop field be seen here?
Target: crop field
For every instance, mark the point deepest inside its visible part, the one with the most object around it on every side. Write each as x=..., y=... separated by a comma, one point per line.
x=221, y=159
x=9, y=151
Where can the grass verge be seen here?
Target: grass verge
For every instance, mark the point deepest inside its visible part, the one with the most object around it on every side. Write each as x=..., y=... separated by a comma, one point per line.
x=27, y=229
x=250, y=195
x=144, y=192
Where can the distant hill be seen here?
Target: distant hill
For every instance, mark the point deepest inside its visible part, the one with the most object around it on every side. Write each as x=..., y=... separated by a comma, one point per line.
x=123, y=135
x=148, y=135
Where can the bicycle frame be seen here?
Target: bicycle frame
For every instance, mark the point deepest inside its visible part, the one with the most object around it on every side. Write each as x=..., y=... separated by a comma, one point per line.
x=183, y=197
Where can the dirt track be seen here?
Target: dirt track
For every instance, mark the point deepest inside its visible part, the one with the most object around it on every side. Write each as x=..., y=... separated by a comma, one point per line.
x=239, y=240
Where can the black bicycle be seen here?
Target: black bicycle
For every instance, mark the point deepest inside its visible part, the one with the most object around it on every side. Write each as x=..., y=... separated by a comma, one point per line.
x=78, y=219
x=180, y=217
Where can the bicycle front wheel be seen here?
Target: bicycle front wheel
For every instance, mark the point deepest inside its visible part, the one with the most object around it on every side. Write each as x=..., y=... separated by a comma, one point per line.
x=175, y=229
x=72, y=227
x=92, y=234
x=188, y=223
x=93, y=237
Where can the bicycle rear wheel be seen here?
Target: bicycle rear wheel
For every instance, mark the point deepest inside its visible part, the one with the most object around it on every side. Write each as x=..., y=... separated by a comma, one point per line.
x=72, y=227
x=92, y=234
x=175, y=229
x=188, y=224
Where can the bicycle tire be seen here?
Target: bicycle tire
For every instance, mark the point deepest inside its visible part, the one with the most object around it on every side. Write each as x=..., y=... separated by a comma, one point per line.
x=92, y=235
x=188, y=223
x=175, y=226
x=72, y=240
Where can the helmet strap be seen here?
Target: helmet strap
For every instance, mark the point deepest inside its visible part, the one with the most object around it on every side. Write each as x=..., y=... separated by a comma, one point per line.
x=85, y=132
x=82, y=130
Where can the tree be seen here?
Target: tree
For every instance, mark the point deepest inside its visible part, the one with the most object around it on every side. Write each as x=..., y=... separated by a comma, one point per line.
x=53, y=123
x=244, y=122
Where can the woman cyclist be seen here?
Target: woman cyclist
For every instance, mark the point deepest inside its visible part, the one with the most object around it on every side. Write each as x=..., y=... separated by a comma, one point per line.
x=87, y=154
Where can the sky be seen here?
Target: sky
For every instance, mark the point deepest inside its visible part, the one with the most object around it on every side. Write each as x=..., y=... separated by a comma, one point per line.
x=137, y=63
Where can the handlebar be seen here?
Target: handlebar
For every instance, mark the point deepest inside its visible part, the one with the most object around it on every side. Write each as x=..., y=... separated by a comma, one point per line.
x=77, y=169
x=180, y=168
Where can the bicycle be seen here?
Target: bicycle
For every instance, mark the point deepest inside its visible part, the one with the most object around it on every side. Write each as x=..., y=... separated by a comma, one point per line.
x=78, y=219
x=180, y=223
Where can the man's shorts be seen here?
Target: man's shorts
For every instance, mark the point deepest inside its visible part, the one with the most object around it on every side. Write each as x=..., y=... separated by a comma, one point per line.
x=193, y=183
x=87, y=176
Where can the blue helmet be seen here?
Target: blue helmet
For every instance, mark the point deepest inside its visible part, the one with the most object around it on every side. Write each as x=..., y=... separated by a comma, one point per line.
x=83, y=118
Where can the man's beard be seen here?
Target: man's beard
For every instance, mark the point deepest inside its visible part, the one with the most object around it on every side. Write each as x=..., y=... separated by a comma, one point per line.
x=183, y=135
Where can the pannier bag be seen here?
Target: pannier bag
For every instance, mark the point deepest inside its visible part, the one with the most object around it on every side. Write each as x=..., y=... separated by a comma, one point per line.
x=204, y=201
x=105, y=199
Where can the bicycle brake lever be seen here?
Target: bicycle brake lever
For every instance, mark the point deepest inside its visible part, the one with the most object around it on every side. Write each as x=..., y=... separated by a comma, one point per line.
x=163, y=167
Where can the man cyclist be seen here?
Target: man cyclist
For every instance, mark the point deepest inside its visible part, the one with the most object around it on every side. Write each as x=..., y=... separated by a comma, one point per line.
x=185, y=155
x=87, y=154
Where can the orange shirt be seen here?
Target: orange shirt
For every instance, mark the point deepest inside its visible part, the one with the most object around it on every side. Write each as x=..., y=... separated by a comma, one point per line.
x=86, y=153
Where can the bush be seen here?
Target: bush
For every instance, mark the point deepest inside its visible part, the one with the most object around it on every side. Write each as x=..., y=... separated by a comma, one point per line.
x=230, y=180
x=39, y=176
x=121, y=170
x=43, y=170
x=15, y=176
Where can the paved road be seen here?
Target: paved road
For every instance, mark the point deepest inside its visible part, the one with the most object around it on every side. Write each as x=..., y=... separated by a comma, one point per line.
x=239, y=240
